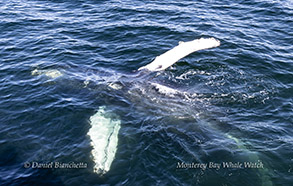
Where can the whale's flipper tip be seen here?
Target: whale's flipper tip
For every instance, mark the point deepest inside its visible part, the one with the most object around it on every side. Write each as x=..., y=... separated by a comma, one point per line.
x=206, y=43
x=183, y=49
x=216, y=41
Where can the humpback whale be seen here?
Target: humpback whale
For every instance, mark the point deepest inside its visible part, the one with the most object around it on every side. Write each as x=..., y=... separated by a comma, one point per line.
x=104, y=146
x=104, y=130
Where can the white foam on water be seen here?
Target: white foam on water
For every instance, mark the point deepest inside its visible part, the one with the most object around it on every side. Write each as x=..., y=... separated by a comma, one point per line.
x=189, y=74
x=104, y=139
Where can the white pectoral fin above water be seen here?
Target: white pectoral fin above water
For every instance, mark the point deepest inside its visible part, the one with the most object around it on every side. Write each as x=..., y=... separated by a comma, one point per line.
x=104, y=140
x=183, y=49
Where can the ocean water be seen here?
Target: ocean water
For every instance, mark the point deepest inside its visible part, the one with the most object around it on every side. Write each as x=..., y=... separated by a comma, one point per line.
x=203, y=121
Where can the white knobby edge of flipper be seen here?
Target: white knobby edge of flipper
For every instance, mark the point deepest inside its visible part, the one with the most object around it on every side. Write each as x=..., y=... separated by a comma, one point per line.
x=183, y=49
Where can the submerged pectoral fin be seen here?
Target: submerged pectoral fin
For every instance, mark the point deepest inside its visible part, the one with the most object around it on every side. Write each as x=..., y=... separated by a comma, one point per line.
x=264, y=172
x=104, y=139
x=183, y=49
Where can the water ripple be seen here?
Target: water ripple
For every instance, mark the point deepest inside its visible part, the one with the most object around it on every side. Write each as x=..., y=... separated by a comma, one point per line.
x=61, y=60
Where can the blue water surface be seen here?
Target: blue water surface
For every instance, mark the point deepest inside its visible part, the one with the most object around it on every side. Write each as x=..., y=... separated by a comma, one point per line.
x=235, y=103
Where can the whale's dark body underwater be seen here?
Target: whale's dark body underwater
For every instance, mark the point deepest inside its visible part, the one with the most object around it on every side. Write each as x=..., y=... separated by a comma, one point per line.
x=104, y=130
